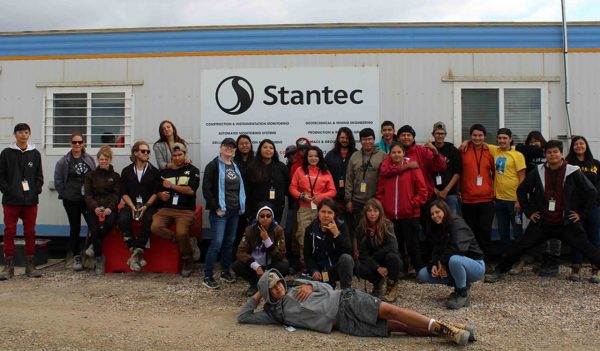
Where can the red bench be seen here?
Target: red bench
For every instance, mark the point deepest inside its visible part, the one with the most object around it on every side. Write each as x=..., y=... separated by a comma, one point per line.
x=162, y=256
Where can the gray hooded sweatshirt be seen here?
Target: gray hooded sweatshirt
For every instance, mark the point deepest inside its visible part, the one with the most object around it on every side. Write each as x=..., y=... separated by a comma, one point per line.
x=317, y=313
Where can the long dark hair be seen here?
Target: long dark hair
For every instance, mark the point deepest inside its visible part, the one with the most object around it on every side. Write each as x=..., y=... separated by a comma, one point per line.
x=442, y=205
x=163, y=137
x=321, y=165
x=588, y=158
x=537, y=136
x=351, y=141
x=382, y=224
x=238, y=155
x=257, y=167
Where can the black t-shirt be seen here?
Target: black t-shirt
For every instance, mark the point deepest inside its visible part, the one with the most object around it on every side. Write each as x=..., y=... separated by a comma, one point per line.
x=75, y=179
x=534, y=155
x=232, y=188
x=592, y=174
x=187, y=175
x=453, y=166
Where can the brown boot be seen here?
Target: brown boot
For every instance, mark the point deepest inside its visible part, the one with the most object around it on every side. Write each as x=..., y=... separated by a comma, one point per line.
x=30, y=269
x=468, y=327
x=187, y=265
x=450, y=332
x=595, y=278
x=8, y=270
x=391, y=293
x=575, y=275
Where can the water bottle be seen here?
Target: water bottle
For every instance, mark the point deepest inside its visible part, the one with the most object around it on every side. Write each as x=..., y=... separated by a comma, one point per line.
x=138, y=211
x=518, y=218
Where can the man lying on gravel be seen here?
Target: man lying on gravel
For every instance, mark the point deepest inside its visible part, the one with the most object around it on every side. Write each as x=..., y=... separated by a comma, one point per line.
x=316, y=306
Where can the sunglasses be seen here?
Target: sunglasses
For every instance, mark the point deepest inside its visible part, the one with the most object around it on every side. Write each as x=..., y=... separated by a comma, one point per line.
x=268, y=215
x=77, y=142
x=147, y=152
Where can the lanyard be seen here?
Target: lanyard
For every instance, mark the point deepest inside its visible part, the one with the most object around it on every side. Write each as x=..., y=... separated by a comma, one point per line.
x=478, y=161
x=312, y=185
x=365, y=166
x=135, y=170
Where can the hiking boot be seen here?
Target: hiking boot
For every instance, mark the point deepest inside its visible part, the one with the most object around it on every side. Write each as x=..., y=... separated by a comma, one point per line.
x=575, y=275
x=187, y=266
x=378, y=287
x=517, y=268
x=468, y=327
x=493, y=277
x=195, y=249
x=8, y=270
x=89, y=252
x=133, y=262
x=99, y=265
x=411, y=273
x=30, y=269
x=77, y=263
x=391, y=293
x=210, y=283
x=450, y=332
x=459, y=299
x=251, y=291
x=595, y=278
x=226, y=276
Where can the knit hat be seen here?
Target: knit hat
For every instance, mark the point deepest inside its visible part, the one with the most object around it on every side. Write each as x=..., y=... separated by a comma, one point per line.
x=407, y=129
x=266, y=206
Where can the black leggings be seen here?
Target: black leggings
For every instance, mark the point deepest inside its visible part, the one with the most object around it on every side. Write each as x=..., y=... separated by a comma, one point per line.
x=407, y=233
x=391, y=261
x=74, y=211
x=98, y=234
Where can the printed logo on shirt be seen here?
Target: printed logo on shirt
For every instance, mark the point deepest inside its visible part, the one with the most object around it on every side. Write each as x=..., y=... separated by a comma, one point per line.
x=500, y=165
x=230, y=173
x=30, y=164
x=80, y=168
x=594, y=170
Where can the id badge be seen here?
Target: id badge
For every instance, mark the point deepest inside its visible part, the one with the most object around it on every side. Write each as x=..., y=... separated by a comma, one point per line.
x=272, y=194
x=479, y=180
x=325, y=276
x=438, y=180
x=82, y=190
x=313, y=206
x=25, y=185
x=138, y=199
x=175, y=200
x=552, y=205
x=341, y=183
x=363, y=187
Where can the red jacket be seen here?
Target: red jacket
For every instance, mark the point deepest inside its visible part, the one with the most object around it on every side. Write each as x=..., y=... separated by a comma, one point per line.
x=428, y=163
x=402, y=192
x=323, y=185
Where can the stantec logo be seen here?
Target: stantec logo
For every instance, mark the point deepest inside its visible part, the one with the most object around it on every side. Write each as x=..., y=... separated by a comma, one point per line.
x=234, y=95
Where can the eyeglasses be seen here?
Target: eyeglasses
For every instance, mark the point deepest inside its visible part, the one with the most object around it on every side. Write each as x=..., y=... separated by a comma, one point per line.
x=77, y=142
x=267, y=215
x=147, y=152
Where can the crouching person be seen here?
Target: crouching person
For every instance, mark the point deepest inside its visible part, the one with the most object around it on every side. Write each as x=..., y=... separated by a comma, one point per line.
x=178, y=202
x=139, y=183
x=456, y=258
x=262, y=247
x=379, y=261
x=327, y=248
x=316, y=306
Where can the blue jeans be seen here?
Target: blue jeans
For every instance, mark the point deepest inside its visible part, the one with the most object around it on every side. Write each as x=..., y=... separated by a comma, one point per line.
x=461, y=270
x=592, y=229
x=223, y=235
x=452, y=201
x=505, y=217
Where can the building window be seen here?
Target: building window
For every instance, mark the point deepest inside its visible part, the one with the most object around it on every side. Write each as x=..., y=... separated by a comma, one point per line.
x=101, y=114
x=520, y=107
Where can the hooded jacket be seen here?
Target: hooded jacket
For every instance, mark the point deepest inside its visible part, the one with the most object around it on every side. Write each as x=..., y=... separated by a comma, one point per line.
x=274, y=246
x=455, y=238
x=401, y=192
x=16, y=166
x=370, y=251
x=213, y=186
x=61, y=170
x=323, y=186
x=317, y=313
x=578, y=192
x=102, y=189
x=429, y=164
x=321, y=249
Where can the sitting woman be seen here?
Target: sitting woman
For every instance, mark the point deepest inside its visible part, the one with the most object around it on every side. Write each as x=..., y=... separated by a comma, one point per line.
x=378, y=251
x=316, y=306
x=456, y=258
x=262, y=247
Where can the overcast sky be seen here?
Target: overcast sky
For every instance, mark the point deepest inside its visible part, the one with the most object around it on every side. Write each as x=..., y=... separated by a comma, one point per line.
x=26, y=15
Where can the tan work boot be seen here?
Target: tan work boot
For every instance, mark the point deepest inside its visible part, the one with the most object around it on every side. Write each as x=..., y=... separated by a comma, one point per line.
x=450, y=332
x=517, y=268
x=575, y=275
x=595, y=278
x=30, y=269
x=8, y=270
x=391, y=293
x=468, y=327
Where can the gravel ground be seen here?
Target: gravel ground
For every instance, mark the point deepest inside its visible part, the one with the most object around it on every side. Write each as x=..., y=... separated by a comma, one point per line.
x=75, y=311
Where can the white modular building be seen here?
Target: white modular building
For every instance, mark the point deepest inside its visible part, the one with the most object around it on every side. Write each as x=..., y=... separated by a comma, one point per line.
x=282, y=82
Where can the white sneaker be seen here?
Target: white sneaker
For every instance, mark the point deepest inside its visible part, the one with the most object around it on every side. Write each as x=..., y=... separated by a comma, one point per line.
x=89, y=252
x=195, y=249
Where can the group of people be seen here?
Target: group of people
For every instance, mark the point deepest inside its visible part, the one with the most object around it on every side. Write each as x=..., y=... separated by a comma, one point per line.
x=382, y=212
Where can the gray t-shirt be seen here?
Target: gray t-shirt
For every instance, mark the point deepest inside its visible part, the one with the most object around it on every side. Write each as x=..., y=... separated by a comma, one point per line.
x=232, y=188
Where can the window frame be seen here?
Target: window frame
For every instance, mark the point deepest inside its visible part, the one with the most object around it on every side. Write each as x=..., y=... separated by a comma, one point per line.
x=501, y=86
x=48, y=117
